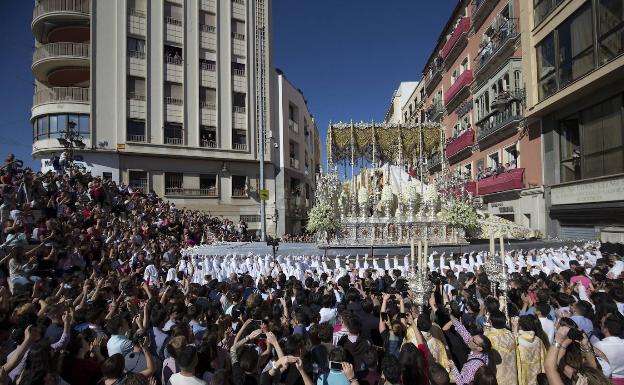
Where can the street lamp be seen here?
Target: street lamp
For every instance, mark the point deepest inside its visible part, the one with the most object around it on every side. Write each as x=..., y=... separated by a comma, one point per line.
x=71, y=139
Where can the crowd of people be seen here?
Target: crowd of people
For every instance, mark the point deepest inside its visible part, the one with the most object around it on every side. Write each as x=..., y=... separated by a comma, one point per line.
x=496, y=170
x=99, y=284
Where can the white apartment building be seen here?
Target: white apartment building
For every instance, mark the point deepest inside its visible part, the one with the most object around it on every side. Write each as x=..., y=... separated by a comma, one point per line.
x=167, y=95
x=300, y=156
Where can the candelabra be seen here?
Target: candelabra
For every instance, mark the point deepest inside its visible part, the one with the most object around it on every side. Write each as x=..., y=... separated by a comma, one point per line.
x=420, y=285
x=497, y=273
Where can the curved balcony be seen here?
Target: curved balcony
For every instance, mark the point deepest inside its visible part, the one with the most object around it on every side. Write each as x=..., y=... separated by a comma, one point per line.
x=48, y=100
x=58, y=12
x=48, y=58
x=460, y=144
x=456, y=42
x=454, y=94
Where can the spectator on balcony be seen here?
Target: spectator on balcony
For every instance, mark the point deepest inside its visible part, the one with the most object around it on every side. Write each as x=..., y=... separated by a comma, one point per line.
x=486, y=48
x=504, y=27
x=500, y=168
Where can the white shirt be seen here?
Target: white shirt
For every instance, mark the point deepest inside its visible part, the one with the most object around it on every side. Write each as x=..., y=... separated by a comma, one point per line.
x=612, y=347
x=549, y=328
x=179, y=379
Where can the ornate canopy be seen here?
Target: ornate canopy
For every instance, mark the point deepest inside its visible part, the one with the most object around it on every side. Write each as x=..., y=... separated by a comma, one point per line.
x=380, y=142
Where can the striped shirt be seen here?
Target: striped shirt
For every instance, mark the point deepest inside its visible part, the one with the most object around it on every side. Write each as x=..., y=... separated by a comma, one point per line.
x=475, y=360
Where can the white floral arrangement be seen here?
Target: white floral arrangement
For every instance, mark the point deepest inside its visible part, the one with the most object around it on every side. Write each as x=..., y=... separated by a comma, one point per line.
x=363, y=197
x=459, y=213
x=431, y=194
x=410, y=193
x=343, y=199
x=386, y=194
x=321, y=219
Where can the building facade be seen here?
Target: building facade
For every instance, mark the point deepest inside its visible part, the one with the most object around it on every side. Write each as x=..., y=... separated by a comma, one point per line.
x=573, y=51
x=167, y=95
x=473, y=84
x=299, y=160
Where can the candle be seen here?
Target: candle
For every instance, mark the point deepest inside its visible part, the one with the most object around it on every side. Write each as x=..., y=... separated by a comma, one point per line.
x=412, y=253
x=492, y=245
x=502, y=249
x=419, y=254
x=426, y=254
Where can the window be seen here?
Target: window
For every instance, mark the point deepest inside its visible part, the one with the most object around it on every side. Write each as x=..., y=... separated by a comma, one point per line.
x=238, y=99
x=174, y=93
x=576, y=51
x=207, y=21
x=208, y=97
x=173, y=14
x=174, y=133
x=135, y=130
x=569, y=52
x=238, y=29
x=591, y=143
x=546, y=75
x=208, y=65
x=464, y=65
x=238, y=68
x=136, y=46
x=55, y=126
x=173, y=182
x=136, y=88
x=454, y=76
x=138, y=180
x=493, y=160
x=173, y=55
x=208, y=136
x=510, y=156
x=467, y=170
x=542, y=8
x=107, y=175
x=239, y=186
x=610, y=29
x=208, y=184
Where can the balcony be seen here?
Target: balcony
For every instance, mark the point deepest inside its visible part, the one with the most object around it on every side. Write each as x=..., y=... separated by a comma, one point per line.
x=239, y=10
x=456, y=42
x=458, y=91
x=136, y=105
x=137, y=22
x=239, y=193
x=175, y=141
x=460, y=144
x=174, y=30
x=136, y=138
x=239, y=45
x=208, y=5
x=136, y=64
x=239, y=80
x=208, y=37
x=505, y=181
x=434, y=77
x=208, y=143
x=498, y=49
x=208, y=113
x=173, y=109
x=293, y=126
x=192, y=192
x=55, y=56
x=435, y=111
x=62, y=95
x=239, y=146
x=50, y=12
x=434, y=162
x=294, y=163
x=502, y=123
x=481, y=11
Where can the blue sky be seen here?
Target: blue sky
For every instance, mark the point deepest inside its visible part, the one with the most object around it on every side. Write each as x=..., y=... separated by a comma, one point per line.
x=346, y=56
